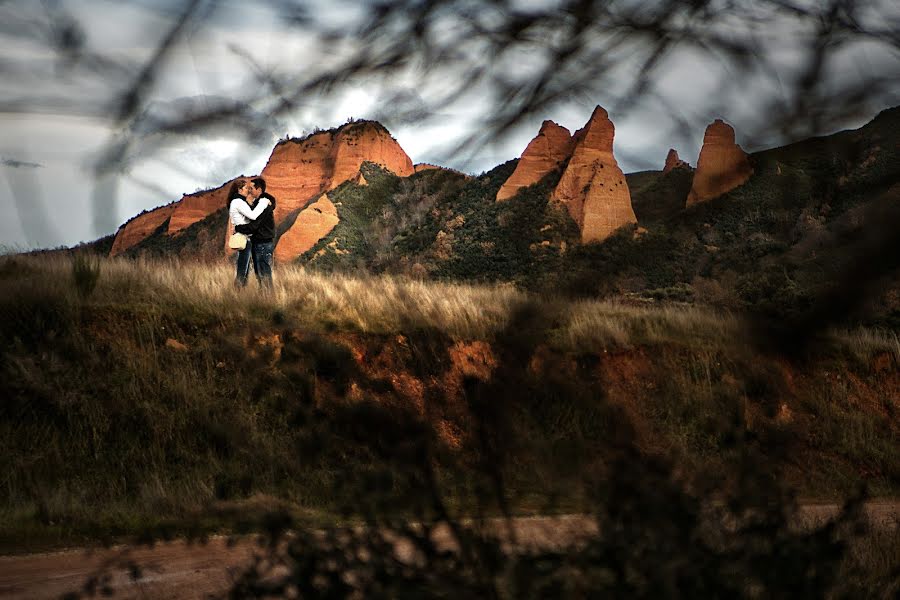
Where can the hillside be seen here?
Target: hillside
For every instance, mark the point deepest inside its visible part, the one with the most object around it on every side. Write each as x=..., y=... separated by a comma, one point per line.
x=775, y=243
x=438, y=224
x=770, y=246
x=157, y=395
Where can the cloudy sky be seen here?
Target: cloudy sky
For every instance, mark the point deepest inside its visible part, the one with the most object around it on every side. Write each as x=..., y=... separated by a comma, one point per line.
x=74, y=166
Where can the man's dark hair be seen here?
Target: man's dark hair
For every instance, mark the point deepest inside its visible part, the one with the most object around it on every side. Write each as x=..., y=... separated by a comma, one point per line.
x=260, y=183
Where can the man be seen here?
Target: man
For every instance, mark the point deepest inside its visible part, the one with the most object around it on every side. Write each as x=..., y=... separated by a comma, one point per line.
x=261, y=231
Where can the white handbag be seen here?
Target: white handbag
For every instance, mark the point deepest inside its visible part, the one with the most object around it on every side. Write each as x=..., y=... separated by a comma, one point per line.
x=237, y=241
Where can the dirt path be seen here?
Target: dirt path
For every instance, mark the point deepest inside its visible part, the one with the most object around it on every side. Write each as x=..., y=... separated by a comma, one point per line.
x=171, y=570
x=182, y=571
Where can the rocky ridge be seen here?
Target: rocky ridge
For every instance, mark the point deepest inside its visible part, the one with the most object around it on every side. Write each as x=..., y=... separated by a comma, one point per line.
x=591, y=185
x=194, y=207
x=301, y=169
x=176, y=217
x=140, y=227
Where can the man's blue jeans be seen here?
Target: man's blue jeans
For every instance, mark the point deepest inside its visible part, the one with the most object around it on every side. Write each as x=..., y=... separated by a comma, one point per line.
x=243, y=265
x=262, y=261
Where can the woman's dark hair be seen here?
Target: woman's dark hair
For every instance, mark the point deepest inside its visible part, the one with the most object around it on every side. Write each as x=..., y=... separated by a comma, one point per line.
x=234, y=191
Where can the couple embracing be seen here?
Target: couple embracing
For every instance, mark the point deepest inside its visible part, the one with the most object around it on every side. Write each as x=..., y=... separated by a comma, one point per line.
x=252, y=213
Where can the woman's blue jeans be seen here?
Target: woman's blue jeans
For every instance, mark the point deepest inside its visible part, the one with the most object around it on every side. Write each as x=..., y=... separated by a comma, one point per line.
x=243, y=265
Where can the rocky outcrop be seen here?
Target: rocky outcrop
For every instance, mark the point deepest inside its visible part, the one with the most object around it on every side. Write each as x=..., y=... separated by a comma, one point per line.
x=313, y=223
x=302, y=169
x=593, y=187
x=366, y=141
x=674, y=162
x=551, y=147
x=194, y=207
x=722, y=165
x=140, y=227
x=360, y=179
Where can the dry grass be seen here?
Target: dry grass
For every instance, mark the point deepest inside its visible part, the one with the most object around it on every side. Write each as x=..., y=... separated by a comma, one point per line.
x=865, y=344
x=368, y=304
x=386, y=304
x=601, y=325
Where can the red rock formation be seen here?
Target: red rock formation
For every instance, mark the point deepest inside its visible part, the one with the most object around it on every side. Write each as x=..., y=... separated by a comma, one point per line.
x=593, y=187
x=552, y=145
x=140, y=227
x=313, y=223
x=366, y=141
x=297, y=170
x=301, y=169
x=195, y=207
x=722, y=165
x=674, y=162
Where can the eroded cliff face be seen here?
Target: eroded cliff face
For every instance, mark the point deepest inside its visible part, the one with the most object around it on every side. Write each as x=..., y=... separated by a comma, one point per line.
x=593, y=187
x=194, y=207
x=181, y=215
x=366, y=142
x=313, y=223
x=140, y=227
x=551, y=147
x=722, y=165
x=299, y=170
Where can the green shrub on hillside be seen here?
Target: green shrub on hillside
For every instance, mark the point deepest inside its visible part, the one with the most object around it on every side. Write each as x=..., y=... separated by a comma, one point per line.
x=450, y=227
x=351, y=245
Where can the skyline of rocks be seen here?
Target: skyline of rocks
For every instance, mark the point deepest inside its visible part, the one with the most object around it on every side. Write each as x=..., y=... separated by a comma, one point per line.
x=592, y=186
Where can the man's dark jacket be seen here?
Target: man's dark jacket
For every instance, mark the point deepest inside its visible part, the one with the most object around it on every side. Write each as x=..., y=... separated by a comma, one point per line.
x=263, y=228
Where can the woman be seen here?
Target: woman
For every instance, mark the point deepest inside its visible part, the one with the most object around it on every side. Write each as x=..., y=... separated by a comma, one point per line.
x=242, y=213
